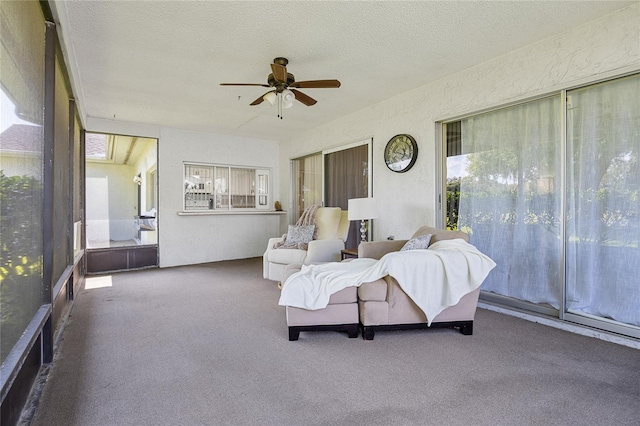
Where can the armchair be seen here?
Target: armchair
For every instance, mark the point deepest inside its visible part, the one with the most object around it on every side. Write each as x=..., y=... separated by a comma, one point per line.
x=383, y=305
x=332, y=228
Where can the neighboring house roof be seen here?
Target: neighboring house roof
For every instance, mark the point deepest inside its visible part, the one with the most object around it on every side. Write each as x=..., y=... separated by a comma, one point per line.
x=27, y=139
x=22, y=138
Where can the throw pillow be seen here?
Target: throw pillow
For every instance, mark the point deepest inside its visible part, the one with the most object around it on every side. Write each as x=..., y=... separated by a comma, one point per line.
x=417, y=243
x=300, y=234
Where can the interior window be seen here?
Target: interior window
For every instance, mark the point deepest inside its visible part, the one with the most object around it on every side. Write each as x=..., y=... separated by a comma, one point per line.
x=222, y=187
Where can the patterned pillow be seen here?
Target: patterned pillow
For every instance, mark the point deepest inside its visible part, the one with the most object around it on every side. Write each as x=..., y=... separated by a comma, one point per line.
x=300, y=234
x=417, y=243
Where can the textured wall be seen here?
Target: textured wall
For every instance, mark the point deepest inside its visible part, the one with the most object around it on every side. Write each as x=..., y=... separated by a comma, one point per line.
x=197, y=239
x=603, y=48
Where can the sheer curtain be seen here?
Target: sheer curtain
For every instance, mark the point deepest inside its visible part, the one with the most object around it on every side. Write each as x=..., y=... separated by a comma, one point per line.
x=510, y=198
x=307, y=183
x=603, y=180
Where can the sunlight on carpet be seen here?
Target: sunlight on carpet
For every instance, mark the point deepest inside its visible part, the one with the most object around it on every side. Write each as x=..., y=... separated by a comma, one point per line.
x=92, y=283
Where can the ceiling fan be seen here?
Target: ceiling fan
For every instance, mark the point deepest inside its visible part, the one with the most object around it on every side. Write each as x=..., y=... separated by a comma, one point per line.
x=284, y=87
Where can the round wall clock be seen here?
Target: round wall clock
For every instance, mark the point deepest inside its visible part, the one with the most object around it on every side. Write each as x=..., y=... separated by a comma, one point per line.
x=400, y=153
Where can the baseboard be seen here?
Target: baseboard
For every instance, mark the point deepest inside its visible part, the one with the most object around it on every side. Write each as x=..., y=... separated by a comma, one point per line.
x=563, y=325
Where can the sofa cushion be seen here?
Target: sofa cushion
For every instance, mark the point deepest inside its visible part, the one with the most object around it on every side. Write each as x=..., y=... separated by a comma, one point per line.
x=342, y=313
x=373, y=291
x=440, y=234
x=327, y=222
x=300, y=234
x=417, y=243
x=377, y=249
x=346, y=295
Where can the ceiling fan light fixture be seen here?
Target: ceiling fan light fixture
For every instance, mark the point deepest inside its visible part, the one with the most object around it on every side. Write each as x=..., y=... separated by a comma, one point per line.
x=288, y=96
x=287, y=105
x=270, y=97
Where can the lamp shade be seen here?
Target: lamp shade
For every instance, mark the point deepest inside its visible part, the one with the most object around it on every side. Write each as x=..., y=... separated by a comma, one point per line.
x=362, y=209
x=288, y=96
x=270, y=97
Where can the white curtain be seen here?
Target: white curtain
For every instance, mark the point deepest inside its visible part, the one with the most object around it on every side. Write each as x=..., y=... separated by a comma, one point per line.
x=603, y=180
x=510, y=198
x=307, y=183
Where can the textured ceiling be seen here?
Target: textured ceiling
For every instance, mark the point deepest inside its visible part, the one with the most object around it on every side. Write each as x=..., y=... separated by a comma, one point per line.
x=161, y=62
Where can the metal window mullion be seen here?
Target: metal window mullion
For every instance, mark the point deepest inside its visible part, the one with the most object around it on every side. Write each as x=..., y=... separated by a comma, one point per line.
x=47, y=186
x=563, y=204
x=70, y=210
x=441, y=189
x=229, y=190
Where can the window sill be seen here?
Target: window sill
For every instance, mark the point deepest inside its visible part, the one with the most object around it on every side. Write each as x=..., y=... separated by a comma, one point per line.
x=228, y=212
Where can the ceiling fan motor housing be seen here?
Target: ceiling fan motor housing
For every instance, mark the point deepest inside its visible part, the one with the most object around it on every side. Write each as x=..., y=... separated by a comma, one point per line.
x=281, y=61
x=271, y=81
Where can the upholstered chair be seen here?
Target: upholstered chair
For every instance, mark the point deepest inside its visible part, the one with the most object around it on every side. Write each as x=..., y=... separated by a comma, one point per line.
x=331, y=231
x=383, y=305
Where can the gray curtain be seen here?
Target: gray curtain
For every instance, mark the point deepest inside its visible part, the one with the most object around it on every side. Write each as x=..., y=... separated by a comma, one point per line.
x=346, y=177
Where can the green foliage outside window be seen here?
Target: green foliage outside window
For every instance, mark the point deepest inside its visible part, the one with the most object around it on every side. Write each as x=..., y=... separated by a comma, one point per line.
x=20, y=256
x=453, y=202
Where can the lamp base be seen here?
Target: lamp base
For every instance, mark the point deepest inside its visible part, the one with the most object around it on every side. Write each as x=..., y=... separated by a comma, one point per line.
x=363, y=232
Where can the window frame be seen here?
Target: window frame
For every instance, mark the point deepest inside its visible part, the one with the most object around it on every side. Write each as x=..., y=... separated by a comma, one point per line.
x=223, y=201
x=562, y=314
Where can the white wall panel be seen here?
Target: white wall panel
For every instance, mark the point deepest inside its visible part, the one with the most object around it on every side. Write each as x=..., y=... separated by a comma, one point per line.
x=198, y=239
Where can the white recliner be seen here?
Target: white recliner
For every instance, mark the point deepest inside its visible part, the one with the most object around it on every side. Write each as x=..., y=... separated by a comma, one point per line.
x=332, y=229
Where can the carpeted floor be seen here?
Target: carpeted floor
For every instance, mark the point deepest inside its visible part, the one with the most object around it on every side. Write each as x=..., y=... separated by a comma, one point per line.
x=208, y=345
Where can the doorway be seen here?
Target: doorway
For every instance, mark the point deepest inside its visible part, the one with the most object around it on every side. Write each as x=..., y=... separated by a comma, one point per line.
x=121, y=202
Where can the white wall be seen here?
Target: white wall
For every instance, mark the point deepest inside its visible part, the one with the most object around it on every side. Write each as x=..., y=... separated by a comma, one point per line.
x=112, y=202
x=148, y=161
x=184, y=240
x=602, y=48
x=197, y=239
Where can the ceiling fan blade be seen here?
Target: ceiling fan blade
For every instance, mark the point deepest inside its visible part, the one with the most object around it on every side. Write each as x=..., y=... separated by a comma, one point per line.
x=279, y=73
x=258, y=101
x=307, y=100
x=244, y=84
x=316, y=84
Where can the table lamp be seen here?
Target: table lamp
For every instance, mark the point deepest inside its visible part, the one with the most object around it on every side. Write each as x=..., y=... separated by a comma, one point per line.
x=362, y=209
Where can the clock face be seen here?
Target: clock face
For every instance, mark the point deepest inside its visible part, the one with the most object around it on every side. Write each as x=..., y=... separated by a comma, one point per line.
x=400, y=153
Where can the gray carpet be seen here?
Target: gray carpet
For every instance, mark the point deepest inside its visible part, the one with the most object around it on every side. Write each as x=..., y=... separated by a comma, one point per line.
x=208, y=345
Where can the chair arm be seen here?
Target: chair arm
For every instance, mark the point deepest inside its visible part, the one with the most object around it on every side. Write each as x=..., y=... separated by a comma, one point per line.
x=377, y=249
x=265, y=264
x=324, y=250
x=272, y=242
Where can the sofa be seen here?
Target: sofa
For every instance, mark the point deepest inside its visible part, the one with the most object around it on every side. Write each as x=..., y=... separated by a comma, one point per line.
x=383, y=305
x=332, y=228
x=341, y=314
x=378, y=304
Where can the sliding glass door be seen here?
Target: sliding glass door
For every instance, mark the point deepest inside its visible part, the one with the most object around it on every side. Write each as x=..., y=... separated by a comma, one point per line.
x=509, y=200
x=330, y=178
x=550, y=192
x=346, y=176
x=603, y=180
x=306, y=175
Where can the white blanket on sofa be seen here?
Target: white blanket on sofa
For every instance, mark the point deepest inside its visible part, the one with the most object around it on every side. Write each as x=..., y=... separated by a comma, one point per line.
x=434, y=279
